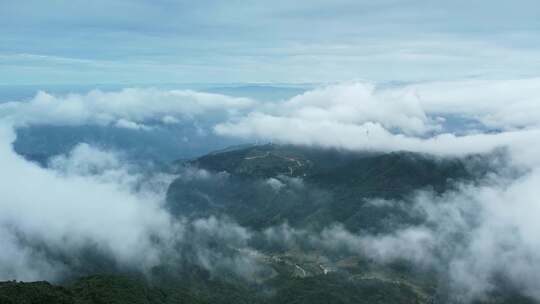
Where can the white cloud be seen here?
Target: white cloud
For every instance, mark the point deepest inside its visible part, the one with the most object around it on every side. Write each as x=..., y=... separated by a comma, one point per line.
x=127, y=124
x=473, y=234
x=505, y=104
x=363, y=117
x=70, y=211
x=88, y=196
x=91, y=198
x=84, y=159
x=275, y=184
x=170, y=119
x=358, y=103
x=372, y=136
x=128, y=108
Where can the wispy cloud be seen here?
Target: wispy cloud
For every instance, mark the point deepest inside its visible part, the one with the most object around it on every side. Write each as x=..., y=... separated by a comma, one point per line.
x=247, y=42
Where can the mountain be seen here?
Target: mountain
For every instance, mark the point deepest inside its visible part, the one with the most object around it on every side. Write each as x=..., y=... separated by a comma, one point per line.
x=262, y=187
x=266, y=185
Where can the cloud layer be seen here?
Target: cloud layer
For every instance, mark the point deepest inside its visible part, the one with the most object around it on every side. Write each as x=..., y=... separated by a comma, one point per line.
x=472, y=236
x=91, y=198
x=93, y=202
x=128, y=108
x=450, y=118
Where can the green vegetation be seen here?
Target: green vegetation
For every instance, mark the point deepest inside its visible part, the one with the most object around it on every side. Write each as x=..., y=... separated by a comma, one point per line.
x=34, y=293
x=264, y=186
x=331, y=288
x=321, y=187
x=106, y=289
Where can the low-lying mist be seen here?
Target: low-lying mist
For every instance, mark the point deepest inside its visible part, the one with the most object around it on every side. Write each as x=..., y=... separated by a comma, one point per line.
x=95, y=210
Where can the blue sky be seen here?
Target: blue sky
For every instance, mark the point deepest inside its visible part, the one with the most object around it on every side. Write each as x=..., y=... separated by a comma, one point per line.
x=166, y=41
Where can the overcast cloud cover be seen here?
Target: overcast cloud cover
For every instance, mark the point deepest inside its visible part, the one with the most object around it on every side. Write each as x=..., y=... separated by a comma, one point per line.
x=144, y=41
x=447, y=79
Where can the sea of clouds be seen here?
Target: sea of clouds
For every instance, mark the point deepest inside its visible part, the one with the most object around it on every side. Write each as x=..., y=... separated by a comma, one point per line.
x=94, y=198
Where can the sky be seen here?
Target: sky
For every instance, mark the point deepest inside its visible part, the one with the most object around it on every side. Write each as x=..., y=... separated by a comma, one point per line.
x=315, y=41
x=464, y=78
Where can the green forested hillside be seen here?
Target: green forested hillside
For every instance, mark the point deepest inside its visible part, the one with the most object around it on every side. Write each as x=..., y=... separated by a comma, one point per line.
x=327, y=289
x=266, y=185
x=309, y=189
